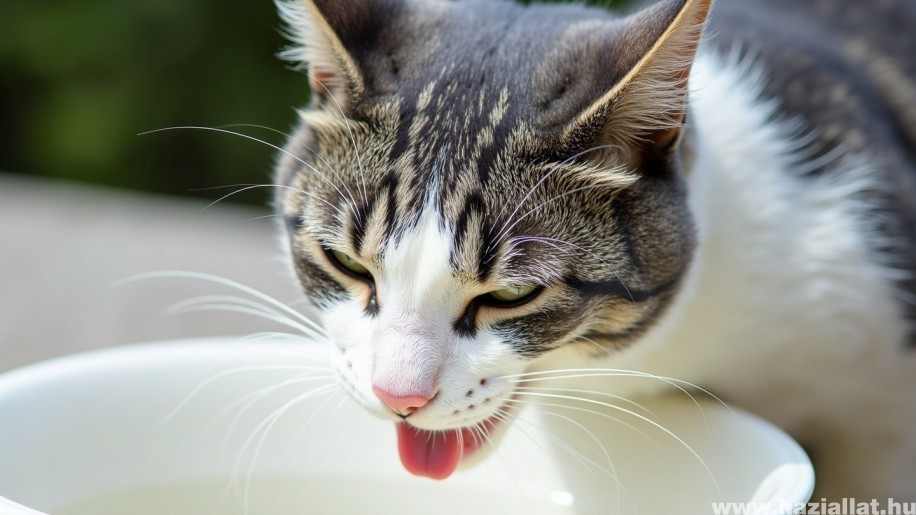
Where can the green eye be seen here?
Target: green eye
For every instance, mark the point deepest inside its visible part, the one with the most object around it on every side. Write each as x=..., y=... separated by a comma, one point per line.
x=512, y=293
x=348, y=264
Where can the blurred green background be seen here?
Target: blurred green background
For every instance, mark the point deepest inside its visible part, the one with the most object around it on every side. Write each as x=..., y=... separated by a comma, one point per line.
x=79, y=80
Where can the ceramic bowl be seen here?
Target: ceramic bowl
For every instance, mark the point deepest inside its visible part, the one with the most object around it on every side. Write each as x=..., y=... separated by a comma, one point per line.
x=221, y=427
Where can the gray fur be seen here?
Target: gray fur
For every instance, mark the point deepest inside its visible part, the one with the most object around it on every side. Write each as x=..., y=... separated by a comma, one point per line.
x=551, y=140
x=497, y=104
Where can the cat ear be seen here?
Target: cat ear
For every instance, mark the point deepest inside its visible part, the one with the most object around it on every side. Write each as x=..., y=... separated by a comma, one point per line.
x=319, y=30
x=644, y=110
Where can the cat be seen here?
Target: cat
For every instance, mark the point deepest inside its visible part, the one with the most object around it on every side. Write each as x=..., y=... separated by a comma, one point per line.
x=722, y=194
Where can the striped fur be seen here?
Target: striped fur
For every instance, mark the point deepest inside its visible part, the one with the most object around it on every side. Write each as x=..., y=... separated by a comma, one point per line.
x=452, y=153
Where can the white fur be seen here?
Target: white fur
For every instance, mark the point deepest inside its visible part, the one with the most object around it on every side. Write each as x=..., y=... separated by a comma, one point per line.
x=411, y=348
x=786, y=310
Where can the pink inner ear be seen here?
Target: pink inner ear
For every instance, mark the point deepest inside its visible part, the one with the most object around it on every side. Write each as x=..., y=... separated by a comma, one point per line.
x=321, y=80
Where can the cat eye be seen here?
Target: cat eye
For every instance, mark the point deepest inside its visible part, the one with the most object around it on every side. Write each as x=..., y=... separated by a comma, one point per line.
x=514, y=295
x=348, y=265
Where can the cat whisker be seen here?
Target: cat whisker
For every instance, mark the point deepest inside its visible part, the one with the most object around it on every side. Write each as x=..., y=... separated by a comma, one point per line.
x=551, y=241
x=264, y=428
x=256, y=186
x=554, y=199
x=336, y=173
x=178, y=274
x=359, y=162
x=601, y=349
x=631, y=413
x=241, y=305
x=586, y=463
x=286, y=135
x=577, y=373
x=598, y=393
x=581, y=409
x=225, y=373
x=601, y=447
x=503, y=229
x=503, y=415
x=305, y=425
x=279, y=335
x=274, y=147
x=611, y=469
x=247, y=401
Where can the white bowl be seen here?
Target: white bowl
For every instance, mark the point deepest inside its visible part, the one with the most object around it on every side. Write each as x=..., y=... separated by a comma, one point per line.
x=173, y=428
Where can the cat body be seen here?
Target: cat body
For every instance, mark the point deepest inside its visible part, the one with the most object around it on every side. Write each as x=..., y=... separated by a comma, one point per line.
x=482, y=192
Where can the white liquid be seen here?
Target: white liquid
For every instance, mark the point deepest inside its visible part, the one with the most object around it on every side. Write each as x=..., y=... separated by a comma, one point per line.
x=279, y=496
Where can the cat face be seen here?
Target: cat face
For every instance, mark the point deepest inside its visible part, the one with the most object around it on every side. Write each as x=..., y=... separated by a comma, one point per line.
x=457, y=212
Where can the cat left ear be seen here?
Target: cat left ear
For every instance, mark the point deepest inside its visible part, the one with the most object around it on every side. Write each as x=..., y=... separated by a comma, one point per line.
x=645, y=109
x=319, y=30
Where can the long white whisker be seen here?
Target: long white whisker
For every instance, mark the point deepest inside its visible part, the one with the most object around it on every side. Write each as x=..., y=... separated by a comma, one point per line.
x=545, y=239
x=359, y=162
x=216, y=377
x=246, y=402
x=555, y=198
x=264, y=428
x=612, y=470
x=576, y=373
x=271, y=145
x=583, y=410
x=178, y=274
x=279, y=335
x=639, y=417
x=503, y=229
x=343, y=399
x=274, y=317
x=504, y=416
x=286, y=135
x=584, y=461
x=587, y=392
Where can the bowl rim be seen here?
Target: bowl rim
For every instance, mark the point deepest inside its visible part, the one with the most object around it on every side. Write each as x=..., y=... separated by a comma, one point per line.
x=152, y=352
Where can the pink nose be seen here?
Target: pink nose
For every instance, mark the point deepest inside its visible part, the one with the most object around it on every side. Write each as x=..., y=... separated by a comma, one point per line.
x=401, y=405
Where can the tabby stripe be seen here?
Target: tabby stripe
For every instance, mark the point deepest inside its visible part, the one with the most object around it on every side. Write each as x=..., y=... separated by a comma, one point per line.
x=616, y=288
x=634, y=329
x=358, y=225
x=489, y=153
x=390, y=183
x=293, y=223
x=402, y=139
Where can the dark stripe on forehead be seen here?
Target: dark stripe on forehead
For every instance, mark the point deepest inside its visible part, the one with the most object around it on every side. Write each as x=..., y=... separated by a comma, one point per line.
x=474, y=205
x=385, y=192
x=390, y=183
x=488, y=153
x=402, y=139
x=622, y=224
x=358, y=225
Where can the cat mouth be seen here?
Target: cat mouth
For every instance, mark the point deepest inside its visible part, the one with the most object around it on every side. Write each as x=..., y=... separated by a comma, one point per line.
x=437, y=454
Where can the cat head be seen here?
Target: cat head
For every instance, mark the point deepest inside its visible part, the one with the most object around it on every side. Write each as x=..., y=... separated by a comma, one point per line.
x=477, y=183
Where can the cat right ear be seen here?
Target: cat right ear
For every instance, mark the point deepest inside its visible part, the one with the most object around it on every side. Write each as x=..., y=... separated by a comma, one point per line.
x=319, y=30
x=623, y=84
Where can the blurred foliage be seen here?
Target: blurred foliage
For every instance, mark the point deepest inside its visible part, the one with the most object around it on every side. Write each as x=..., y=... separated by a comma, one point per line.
x=80, y=80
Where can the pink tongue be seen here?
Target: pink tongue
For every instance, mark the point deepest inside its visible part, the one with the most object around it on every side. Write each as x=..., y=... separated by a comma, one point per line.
x=435, y=455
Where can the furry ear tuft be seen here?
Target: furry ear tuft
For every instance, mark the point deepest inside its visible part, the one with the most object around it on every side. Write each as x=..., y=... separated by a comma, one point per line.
x=314, y=27
x=645, y=110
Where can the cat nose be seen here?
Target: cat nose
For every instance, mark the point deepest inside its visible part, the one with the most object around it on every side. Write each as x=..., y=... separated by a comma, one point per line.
x=402, y=405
